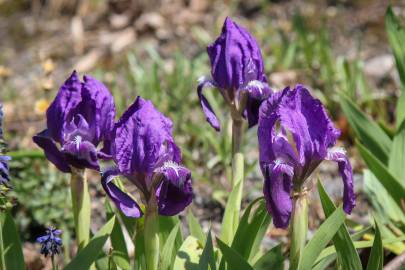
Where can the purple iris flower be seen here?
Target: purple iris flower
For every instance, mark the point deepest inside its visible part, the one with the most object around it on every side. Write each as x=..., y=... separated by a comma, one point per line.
x=237, y=70
x=50, y=242
x=144, y=151
x=295, y=136
x=78, y=120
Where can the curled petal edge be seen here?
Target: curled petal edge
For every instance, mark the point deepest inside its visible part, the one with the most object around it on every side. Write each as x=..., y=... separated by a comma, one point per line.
x=345, y=169
x=210, y=115
x=121, y=200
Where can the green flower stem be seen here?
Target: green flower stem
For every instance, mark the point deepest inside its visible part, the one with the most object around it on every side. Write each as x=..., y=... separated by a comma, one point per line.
x=237, y=135
x=54, y=267
x=298, y=227
x=151, y=233
x=81, y=206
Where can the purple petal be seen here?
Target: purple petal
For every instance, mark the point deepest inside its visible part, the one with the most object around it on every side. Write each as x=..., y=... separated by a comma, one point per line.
x=205, y=105
x=306, y=118
x=97, y=107
x=345, y=169
x=175, y=192
x=277, y=192
x=81, y=154
x=42, y=239
x=141, y=138
x=235, y=57
x=66, y=100
x=122, y=200
x=257, y=92
x=52, y=153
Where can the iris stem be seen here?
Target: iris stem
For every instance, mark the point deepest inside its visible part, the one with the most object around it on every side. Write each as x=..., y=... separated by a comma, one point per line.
x=151, y=230
x=81, y=206
x=298, y=227
x=237, y=135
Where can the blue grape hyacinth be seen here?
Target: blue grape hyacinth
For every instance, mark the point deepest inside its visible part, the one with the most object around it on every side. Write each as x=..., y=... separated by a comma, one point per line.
x=51, y=243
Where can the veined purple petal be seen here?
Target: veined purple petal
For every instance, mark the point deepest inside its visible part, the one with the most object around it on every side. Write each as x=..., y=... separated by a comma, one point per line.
x=122, y=200
x=311, y=127
x=97, y=107
x=235, y=57
x=141, y=138
x=345, y=169
x=205, y=105
x=175, y=192
x=52, y=152
x=68, y=97
x=277, y=192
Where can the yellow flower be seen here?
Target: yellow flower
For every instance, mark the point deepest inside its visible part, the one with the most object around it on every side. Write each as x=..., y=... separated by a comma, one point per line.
x=41, y=106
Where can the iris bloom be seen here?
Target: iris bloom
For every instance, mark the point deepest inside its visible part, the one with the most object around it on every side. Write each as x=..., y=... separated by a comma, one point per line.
x=50, y=242
x=146, y=154
x=78, y=120
x=237, y=70
x=295, y=136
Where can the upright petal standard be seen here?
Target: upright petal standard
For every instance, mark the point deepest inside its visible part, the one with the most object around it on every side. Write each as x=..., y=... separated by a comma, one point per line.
x=237, y=70
x=295, y=135
x=144, y=151
x=78, y=120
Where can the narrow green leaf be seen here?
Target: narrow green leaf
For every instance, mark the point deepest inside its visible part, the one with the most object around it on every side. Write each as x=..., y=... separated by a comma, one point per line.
x=400, y=110
x=391, y=184
x=120, y=252
x=397, y=156
x=207, y=256
x=272, y=259
x=90, y=252
x=166, y=225
x=347, y=254
x=195, y=227
x=188, y=256
x=321, y=238
x=234, y=260
x=251, y=229
x=396, y=37
x=376, y=259
x=369, y=133
x=358, y=245
x=168, y=251
x=231, y=215
x=13, y=255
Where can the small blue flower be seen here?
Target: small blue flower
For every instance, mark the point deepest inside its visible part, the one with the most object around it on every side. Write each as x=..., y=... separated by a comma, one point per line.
x=51, y=243
x=4, y=170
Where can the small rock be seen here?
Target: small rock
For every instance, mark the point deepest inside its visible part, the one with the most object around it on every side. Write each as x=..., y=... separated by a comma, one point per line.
x=379, y=66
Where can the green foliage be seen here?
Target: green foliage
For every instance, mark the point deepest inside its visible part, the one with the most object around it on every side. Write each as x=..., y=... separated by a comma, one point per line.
x=207, y=257
x=376, y=260
x=233, y=258
x=188, y=256
x=348, y=258
x=11, y=244
x=321, y=238
x=88, y=255
x=396, y=37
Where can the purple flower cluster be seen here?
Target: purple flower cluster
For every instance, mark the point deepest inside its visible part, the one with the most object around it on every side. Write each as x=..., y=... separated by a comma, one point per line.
x=237, y=70
x=50, y=242
x=145, y=153
x=79, y=119
x=295, y=133
x=140, y=143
